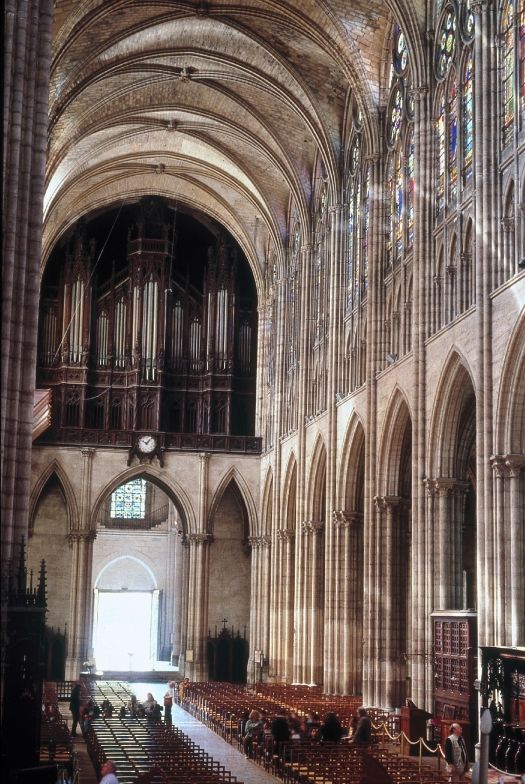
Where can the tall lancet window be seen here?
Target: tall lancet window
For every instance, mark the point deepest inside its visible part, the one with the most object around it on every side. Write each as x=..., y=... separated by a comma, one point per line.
x=454, y=122
x=468, y=118
x=508, y=70
x=102, y=339
x=150, y=309
x=400, y=191
x=77, y=321
x=119, y=333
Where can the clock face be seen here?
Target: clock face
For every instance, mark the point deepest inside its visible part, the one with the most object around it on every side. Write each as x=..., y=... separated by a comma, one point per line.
x=146, y=444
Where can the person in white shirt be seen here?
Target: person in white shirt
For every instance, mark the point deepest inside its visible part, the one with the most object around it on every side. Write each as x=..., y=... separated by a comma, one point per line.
x=456, y=754
x=108, y=771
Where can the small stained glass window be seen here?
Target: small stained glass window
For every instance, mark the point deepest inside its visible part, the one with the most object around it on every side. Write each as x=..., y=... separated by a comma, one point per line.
x=128, y=502
x=400, y=53
x=468, y=21
x=446, y=43
x=395, y=116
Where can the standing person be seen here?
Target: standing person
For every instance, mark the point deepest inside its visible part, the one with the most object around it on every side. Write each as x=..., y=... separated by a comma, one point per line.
x=363, y=730
x=74, y=707
x=456, y=754
x=168, y=703
x=108, y=771
x=183, y=685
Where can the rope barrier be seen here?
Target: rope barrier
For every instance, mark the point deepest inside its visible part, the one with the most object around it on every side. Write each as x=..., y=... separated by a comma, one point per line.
x=517, y=776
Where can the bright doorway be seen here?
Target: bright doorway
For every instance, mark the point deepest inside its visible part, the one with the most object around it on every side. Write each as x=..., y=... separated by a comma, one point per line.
x=125, y=630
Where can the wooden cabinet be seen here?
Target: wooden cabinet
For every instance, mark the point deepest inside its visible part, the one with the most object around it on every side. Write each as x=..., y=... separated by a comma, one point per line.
x=455, y=668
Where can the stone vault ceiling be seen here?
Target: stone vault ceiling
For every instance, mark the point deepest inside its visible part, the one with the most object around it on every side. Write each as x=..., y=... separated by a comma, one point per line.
x=222, y=105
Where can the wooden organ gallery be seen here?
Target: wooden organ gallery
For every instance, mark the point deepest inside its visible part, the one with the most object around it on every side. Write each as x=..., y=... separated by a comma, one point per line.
x=148, y=341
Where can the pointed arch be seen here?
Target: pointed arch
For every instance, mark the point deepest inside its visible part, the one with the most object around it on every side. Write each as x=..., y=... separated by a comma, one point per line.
x=510, y=412
x=232, y=478
x=353, y=452
x=166, y=483
x=398, y=417
x=454, y=390
x=56, y=470
x=317, y=483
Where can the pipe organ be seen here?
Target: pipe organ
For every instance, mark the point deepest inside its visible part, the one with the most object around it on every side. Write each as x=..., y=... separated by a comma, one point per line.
x=144, y=345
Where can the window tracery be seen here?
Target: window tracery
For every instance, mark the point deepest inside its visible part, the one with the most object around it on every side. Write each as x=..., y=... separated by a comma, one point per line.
x=400, y=196
x=357, y=224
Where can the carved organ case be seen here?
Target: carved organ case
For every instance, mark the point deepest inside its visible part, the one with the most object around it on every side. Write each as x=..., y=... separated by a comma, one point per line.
x=160, y=338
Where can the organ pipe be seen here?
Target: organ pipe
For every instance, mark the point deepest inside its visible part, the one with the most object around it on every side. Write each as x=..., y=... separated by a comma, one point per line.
x=102, y=339
x=195, y=344
x=77, y=320
x=120, y=334
x=177, y=331
x=150, y=307
x=49, y=337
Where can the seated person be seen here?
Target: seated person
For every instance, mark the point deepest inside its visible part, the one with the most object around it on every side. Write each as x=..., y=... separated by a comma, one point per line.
x=150, y=705
x=363, y=730
x=253, y=729
x=331, y=730
x=280, y=729
x=132, y=705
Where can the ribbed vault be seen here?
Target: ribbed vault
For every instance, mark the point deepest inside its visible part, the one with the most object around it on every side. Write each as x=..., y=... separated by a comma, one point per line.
x=222, y=105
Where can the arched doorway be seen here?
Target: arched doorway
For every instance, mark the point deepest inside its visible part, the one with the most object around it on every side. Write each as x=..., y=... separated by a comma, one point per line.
x=138, y=585
x=126, y=616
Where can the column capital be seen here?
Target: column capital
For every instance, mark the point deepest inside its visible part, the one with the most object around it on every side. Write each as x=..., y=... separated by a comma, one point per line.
x=88, y=452
x=515, y=464
x=447, y=486
x=342, y=518
x=312, y=526
x=81, y=536
x=388, y=501
x=204, y=457
x=259, y=541
x=194, y=540
x=285, y=534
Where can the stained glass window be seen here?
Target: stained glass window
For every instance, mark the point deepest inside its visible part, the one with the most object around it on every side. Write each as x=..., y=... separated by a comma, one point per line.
x=366, y=226
x=410, y=187
x=350, y=248
x=452, y=140
x=398, y=205
x=468, y=21
x=390, y=184
x=440, y=145
x=400, y=52
x=129, y=501
x=395, y=116
x=521, y=33
x=508, y=70
x=446, y=43
x=467, y=119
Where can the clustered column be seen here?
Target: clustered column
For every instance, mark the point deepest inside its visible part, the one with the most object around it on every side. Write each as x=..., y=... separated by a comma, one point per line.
x=260, y=595
x=509, y=534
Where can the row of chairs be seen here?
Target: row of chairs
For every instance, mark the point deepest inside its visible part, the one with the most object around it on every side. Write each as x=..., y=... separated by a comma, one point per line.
x=221, y=705
x=146, y=751
x=55, y=737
